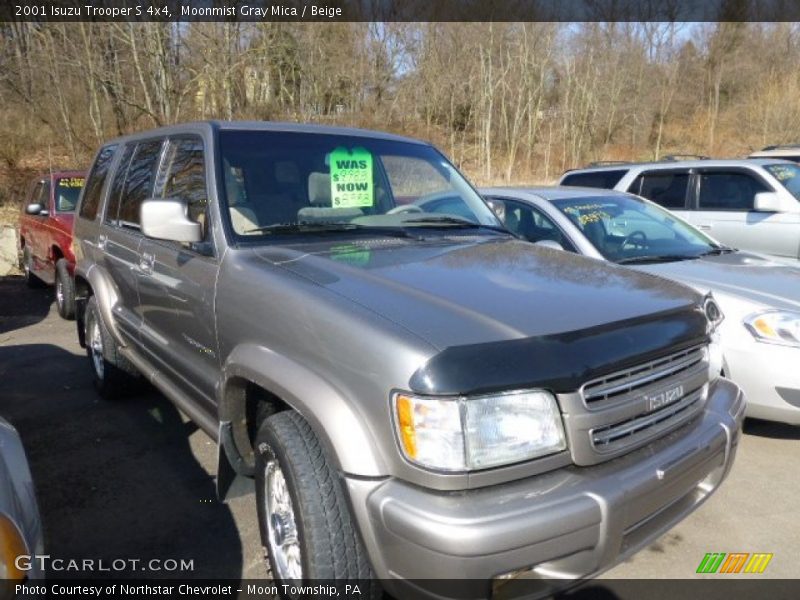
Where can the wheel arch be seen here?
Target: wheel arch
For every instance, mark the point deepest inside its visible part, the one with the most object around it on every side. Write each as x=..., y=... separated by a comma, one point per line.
x=287, y=384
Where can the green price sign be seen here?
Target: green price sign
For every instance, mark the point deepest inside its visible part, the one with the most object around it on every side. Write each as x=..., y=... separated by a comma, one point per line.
x=351, y=178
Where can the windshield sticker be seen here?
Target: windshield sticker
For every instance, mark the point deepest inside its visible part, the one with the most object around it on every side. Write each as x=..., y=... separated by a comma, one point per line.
x=351, y=178
x=587, y=213
x=783, y=172
x=71, y=182
x=351, y=254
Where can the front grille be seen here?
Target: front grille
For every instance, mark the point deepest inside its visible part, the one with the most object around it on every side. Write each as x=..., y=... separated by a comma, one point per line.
x=622, y=411
x=625, y=433
x=622, y=383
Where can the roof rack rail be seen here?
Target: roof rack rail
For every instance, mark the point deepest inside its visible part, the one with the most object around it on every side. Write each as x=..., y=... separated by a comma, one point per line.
x=781, y=147
x=674, y=157
x=606, y=163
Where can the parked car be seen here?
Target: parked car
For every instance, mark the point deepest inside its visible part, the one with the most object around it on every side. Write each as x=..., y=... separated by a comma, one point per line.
x=20, y=523
x=759, y=297
x=752, y=204
x=417, y=395
x=783, y=151
x=45, y=235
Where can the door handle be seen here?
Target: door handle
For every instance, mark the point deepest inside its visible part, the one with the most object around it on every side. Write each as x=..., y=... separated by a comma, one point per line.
x=705, y=226
x=146, y=262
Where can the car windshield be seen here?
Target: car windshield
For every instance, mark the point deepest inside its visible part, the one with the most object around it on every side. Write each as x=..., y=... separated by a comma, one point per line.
x=67, y=191
x=278, y=183
x=630, y=229
x=788, y=175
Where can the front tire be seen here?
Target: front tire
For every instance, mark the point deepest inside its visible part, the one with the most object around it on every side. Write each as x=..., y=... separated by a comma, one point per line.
x=113, y=374
x=303, y=513
x=65, y=291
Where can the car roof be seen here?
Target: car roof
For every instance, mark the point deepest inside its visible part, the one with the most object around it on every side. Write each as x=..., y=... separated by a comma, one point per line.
x=673, y=164
x=551, y=192
x=215, y=125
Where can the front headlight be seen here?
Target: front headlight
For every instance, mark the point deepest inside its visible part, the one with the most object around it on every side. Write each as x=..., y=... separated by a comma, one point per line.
x=775, y=327
x=459, y=434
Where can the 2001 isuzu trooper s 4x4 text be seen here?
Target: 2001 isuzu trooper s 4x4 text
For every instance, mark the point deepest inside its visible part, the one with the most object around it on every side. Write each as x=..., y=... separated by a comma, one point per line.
x=416, y=393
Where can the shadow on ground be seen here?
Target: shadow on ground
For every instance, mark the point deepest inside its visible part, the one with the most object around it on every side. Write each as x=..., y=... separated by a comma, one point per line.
x=770, y=429
x=21, y=306
x=114, y=479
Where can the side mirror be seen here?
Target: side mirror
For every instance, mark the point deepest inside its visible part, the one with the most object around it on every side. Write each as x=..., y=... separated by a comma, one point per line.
x=167, y=219
x=35, y=209
x=552, y=244
x=767, y=202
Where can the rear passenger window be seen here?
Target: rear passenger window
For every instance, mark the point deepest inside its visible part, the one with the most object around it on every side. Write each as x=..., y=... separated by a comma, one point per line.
x=118, y=185
x=139, y=182
x=595, y=179
x=728, y=191
x=94, y=184
x=667, y=188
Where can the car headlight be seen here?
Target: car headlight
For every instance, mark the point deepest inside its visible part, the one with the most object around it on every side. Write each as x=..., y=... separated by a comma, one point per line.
x=713, y=313
x=11, y=547
x=468, y=433
x=775, y=327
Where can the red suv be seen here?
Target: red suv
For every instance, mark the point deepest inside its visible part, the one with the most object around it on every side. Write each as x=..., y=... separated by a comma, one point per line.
x=45, y=235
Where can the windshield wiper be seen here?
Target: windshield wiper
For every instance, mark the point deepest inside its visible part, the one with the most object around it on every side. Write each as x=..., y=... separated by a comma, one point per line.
x=651, y=258
x=313, y=227
x=452, y=222
x=717, y=250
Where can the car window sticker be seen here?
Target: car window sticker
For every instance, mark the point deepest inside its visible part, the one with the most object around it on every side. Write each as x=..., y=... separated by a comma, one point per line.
x=352, y=183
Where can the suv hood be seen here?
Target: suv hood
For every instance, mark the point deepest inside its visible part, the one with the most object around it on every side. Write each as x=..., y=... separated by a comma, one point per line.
x=469, y=290
x=749, y=277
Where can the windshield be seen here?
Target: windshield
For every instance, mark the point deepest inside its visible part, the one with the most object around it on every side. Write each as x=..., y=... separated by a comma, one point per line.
x=788, y=175
x=67, y=191
x=627, y=228
x=309, y=183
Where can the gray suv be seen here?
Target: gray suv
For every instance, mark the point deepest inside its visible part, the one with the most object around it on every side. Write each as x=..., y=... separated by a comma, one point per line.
x=415, y=393
x=750, y=204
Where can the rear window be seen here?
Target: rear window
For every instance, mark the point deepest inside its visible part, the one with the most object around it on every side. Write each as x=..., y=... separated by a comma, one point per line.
x=68, y=190
x=594, y=179
x=94, y=185
x=667, y=189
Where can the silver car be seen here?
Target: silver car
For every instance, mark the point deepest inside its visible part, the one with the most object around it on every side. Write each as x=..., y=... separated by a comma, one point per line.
x=759, y=297
x=20, y=524
x=752, y=204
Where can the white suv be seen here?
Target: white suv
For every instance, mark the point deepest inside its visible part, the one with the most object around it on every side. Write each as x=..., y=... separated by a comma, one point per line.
x=784, y=151
x=752, y=204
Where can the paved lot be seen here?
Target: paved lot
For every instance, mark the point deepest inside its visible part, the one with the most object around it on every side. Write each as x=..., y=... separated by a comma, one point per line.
x=136, y=479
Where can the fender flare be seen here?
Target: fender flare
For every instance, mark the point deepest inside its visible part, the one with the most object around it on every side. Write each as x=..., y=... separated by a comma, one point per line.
x=330, y=414
x=105, y=291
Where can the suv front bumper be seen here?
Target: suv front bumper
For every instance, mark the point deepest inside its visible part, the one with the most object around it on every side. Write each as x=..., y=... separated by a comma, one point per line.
x=571, y=523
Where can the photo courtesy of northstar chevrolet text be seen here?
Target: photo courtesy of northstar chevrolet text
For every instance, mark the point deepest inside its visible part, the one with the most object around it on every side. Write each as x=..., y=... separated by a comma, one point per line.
x=399, y=300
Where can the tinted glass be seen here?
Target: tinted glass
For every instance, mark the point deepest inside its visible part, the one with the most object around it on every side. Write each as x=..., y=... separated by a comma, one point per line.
x=94, y=185
x=728, y=191
x=118, y=184
x=139, y=181
x=282, y=178
x=184, y=176
x=528, y=222
x=665, y=188
x=625, y=227
x=68, y=189
x=594, y=179
x=43, y=195
x=788, y=176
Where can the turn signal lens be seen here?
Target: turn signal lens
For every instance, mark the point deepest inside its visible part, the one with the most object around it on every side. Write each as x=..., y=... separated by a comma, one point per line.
x=12, y=546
